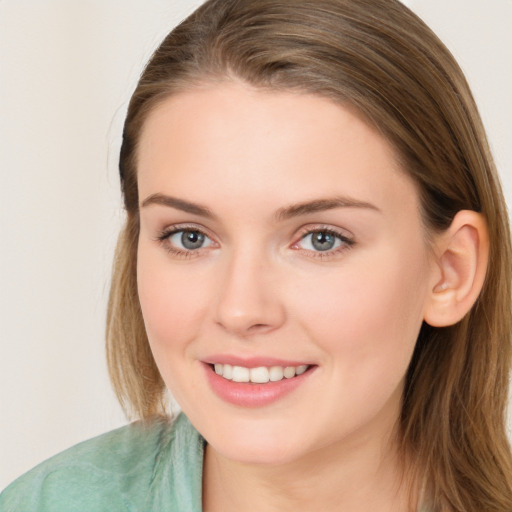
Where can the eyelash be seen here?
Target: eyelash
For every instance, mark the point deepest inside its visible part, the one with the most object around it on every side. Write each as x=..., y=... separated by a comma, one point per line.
x=346, y=242
x=164, y=239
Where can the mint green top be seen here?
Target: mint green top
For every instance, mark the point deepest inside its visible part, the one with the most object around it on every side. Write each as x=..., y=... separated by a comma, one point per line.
x=154, y=467
x=136, y=468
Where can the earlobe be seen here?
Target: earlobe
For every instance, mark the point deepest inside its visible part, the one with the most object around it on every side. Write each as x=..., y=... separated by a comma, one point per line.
x=462, y=255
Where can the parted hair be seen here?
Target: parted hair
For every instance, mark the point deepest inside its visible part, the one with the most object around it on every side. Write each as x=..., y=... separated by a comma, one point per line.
x=380, y=58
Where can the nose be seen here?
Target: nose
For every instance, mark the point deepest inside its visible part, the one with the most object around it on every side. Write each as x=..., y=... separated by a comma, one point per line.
x=249, y=301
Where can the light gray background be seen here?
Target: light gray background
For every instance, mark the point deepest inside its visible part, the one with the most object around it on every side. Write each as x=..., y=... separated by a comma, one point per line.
x=67, y=69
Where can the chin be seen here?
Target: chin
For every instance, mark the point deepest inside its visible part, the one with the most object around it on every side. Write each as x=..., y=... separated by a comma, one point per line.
x=256, y=444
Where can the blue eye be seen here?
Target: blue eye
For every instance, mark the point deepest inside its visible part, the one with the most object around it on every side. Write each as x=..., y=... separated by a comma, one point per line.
x=188, y=240
x=323, y=240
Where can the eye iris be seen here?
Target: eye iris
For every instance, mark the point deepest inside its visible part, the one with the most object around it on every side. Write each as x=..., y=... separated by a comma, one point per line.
x=323, y=241
x=192, y=239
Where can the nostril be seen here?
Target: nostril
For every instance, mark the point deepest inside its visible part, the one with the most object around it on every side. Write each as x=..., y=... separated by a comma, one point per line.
x=258, y=327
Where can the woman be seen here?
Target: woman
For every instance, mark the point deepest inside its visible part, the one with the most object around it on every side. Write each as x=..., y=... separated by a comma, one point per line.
x=316, y=264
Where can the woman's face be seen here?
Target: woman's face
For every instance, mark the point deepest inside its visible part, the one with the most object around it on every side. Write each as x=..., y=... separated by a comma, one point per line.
x=278, y=236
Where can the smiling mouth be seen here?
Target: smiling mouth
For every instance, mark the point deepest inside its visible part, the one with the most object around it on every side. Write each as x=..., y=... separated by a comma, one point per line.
x=259, y=375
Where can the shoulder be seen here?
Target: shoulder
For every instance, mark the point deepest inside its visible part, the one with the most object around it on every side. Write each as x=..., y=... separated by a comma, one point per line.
x=130, y=468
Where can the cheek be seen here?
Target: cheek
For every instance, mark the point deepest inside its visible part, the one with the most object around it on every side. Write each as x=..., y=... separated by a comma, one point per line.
x=172, y=303
x=369, y=312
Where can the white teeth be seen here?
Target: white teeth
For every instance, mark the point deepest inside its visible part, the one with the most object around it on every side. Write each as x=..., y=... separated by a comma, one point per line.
x=227, y=371
x=301, y=369
x=240, y=374
x=289, y=372
x=276, y=373
x=260, y=375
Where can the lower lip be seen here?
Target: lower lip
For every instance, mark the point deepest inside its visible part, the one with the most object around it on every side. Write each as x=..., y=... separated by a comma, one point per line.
x=248, y=394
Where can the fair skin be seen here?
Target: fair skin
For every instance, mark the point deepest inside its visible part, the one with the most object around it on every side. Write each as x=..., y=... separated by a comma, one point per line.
x=230, y=271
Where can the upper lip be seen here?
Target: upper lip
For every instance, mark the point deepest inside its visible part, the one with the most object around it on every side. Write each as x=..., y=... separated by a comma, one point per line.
x=252, y=362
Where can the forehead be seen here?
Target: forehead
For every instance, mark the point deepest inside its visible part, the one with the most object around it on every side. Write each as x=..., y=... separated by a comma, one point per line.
x=233, y=139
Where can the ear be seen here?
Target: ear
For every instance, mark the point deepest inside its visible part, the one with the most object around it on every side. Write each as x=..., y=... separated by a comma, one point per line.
x=461, y=257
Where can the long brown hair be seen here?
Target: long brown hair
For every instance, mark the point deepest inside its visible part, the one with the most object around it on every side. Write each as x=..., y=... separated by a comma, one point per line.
x=379, y=57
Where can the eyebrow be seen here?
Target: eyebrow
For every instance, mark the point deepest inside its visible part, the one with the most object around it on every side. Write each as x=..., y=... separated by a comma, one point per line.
x=178, y=204
x=319, y=205
x=288, y=212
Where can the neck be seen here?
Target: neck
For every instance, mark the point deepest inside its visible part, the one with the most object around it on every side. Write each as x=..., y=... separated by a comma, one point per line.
x=353, y=477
